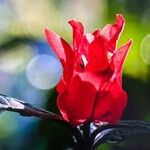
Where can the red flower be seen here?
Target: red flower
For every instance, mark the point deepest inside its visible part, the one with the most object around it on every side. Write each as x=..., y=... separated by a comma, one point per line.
x=90, y=89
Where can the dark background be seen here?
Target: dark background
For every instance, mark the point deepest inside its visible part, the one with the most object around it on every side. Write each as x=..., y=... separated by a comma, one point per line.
x=22, y=38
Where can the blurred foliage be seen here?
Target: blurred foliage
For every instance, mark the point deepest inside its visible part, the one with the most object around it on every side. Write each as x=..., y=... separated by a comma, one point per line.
x=22, y=29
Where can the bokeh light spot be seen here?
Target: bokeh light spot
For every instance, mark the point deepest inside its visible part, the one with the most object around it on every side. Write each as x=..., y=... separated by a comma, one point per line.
x=44, y=71
x=145, y=49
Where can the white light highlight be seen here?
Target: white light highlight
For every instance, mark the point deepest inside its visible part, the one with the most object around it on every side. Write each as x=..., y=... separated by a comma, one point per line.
x=145, y=49
x=44, y=71
x=85, y=62
x=89, y=37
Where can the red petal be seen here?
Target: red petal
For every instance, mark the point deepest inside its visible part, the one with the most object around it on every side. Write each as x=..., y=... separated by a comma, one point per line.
x=111, y=32
x=61, y=86
x=97, y=56
x=78, y=33
x=96, y=33
x=110, y=103
x=63, y=51
x=76, y=103
x=119, y=58
x=83, y=52
x=84, y=47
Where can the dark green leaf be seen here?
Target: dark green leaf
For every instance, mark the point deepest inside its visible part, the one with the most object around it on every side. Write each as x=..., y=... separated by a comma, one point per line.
x=25, y=109
x=120, y=132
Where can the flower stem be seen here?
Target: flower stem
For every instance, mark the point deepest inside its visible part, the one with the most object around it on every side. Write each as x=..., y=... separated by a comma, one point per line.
x=84, y=142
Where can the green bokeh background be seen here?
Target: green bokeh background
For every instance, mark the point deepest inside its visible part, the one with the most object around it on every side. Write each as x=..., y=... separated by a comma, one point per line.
x=23, y=22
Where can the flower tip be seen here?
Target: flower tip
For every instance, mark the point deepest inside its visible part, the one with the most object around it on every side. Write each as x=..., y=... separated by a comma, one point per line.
x=50, y=34
x=72, y=20
x=75, y=19
x=120, y=18
x=130, y=42
x=46, y=31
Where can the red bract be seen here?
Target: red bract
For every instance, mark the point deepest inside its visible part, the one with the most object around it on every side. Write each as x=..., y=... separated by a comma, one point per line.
x=90, y=89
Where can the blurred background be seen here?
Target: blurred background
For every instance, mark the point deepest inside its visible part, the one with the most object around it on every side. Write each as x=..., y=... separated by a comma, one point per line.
x=29, y=70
